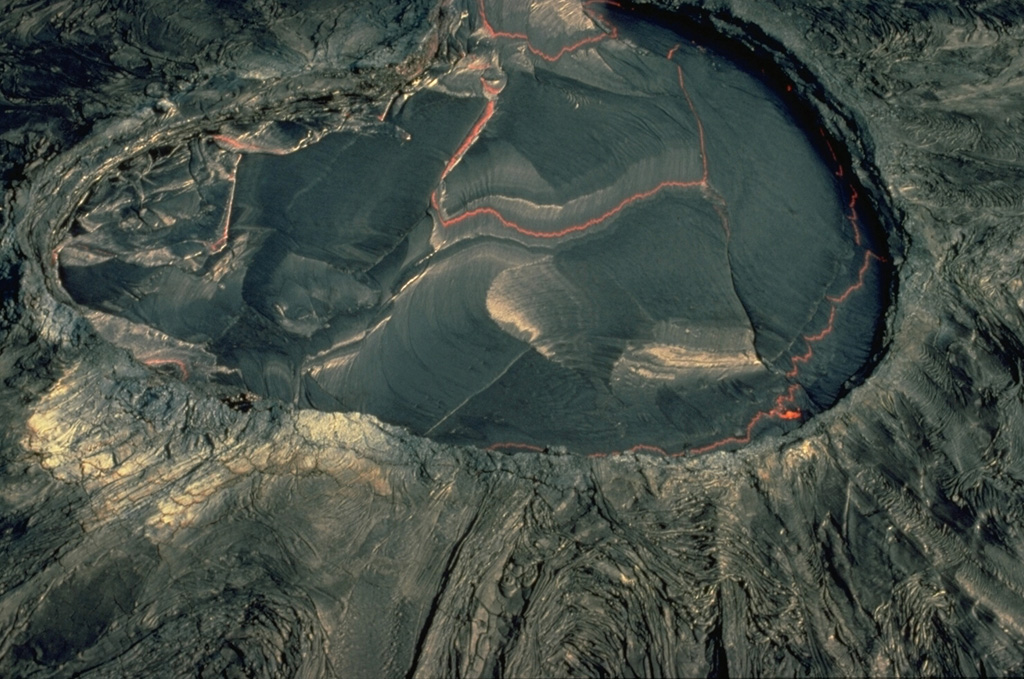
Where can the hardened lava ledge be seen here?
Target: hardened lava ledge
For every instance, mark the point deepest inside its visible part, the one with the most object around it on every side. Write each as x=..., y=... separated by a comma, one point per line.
x=149, y=527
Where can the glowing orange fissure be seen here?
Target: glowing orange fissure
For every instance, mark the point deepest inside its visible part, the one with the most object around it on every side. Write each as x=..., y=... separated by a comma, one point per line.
x=481, y=123
x=177, y=363
x=785, y=406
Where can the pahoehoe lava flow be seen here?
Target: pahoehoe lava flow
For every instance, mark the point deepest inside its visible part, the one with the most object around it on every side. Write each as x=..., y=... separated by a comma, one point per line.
x=320, y=320
x=589, y=231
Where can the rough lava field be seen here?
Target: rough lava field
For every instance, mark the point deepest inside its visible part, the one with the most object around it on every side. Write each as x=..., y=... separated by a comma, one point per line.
x=480, y=338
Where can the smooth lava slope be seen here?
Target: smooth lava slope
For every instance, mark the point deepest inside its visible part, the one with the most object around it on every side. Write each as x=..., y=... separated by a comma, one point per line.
x=590, y=232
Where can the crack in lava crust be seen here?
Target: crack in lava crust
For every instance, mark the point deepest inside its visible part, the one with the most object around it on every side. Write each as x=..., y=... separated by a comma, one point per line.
x=785, y=406
x=637, y=258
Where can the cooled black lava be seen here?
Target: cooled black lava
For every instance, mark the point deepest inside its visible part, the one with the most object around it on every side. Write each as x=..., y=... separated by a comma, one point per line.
x=590, y=232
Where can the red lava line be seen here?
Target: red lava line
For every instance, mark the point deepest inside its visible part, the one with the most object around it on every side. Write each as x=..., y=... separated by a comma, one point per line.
x=448, y=222
x=785, y=407
x=827, y=330
x=233, y=143
x=794, y=361
x=830, y=326
x=832, y=151
x=477, y=64
x=219, y=244
x=488, y=113
x=785, y=404
x=852, y=216
x=643, y=447
x=490, y=89
x=387, y=108
x=470, y=138
x=700, y=125
x=717, y=201
x=868, y=256
x=589, y=40
x=783, y=410
x=854, y=196
x=156, y=362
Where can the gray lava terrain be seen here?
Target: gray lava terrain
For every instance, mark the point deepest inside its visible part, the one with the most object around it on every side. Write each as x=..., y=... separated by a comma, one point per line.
x=155, y=524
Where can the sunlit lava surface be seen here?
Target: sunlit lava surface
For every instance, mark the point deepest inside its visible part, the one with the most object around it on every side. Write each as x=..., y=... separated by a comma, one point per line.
x=589, y=232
